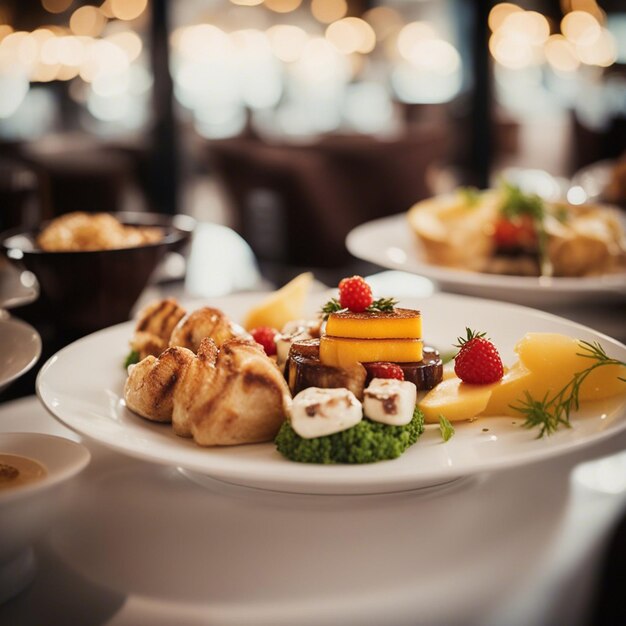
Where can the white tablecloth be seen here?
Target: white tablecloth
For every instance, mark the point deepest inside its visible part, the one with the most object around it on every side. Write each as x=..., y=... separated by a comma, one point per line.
x=141, y=544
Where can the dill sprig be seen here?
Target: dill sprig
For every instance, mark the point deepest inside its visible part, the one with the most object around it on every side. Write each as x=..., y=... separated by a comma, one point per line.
x=550, y=413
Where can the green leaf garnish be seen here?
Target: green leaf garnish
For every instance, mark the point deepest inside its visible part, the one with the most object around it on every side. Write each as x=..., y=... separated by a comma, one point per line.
x=517, y=204
x=382, y=305
x=132, y=358
x=470, y=334
x=446, y=428
x=378, y=306
x=550, y=413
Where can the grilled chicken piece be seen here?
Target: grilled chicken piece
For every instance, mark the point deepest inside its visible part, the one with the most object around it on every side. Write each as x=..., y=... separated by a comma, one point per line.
x=205, y=322
x=154, y=327
x=230, y=396
x=150, y=386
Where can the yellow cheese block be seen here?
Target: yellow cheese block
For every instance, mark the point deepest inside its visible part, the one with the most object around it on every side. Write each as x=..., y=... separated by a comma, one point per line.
x=342, y=352
x=455, y=400
x=397, y=324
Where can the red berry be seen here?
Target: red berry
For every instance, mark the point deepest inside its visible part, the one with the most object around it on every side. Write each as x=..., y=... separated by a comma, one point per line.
x=478, y=361
x=355, y=294
x=518, y=233
x=381, y=369
x=265, y=336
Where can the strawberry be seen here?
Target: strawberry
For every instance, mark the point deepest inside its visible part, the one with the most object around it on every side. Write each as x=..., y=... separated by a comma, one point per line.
x=381, y=369
x=477, y=361
x=266, y=337
x=355, y=294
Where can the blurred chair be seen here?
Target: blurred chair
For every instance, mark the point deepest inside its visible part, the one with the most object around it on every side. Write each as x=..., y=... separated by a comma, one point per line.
x=296, y=203
x=81, y=175
x=20, y=195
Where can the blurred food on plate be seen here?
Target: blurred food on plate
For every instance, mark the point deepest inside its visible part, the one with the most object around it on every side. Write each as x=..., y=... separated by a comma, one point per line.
x=507, y=231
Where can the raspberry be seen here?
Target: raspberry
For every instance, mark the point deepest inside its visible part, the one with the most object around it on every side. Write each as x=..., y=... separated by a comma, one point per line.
x=265, y=336
x=478, y=361
x=382, y=369
x=355, y=294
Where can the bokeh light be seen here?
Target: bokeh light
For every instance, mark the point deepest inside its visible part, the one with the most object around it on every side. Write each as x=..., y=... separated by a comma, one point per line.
x=581, y=28
x=384, y=20
x=500, y=12
x=127, y=9
x=287, y=41
x=327, y=11
x=561, y=54
x=56, y=6
x=351, y=34
x=87, y=20
x=283, y=6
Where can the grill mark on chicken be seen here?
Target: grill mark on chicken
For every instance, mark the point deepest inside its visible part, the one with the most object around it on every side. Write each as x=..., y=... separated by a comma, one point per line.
x=250, y=379
x=145, y=322
x=165, y=321
x=164, y=390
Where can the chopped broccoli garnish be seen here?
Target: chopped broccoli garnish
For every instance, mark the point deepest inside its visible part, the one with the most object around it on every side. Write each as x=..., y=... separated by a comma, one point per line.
x=132, y=358
x=367, y=442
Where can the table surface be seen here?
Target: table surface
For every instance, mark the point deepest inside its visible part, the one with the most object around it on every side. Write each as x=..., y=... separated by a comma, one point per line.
x=141, y=544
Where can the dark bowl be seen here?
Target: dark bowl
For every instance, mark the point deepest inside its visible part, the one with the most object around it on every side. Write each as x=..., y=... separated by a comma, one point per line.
x=86, y=291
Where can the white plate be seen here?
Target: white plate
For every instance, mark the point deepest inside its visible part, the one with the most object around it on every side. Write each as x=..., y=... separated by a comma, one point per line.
x=389, y=242
x=82, y=386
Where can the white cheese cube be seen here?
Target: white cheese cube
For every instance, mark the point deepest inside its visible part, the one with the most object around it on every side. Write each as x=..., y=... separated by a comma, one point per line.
x=316, y=412
x=390, y=401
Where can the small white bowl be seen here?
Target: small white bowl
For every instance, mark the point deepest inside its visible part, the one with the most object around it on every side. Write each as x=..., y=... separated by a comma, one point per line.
x=21, y=348
x=29, y=510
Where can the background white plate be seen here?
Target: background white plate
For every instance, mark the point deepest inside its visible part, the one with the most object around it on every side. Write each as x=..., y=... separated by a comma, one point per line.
x=389, y=242
x=82, y=386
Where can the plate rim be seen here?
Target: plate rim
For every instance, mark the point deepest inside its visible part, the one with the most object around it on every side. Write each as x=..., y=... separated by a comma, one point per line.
x=605, y=283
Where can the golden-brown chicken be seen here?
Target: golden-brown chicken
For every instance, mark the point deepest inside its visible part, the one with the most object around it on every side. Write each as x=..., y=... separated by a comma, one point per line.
x=230, y=396
x=151, y=383
x=154, y=327
x=205, y=322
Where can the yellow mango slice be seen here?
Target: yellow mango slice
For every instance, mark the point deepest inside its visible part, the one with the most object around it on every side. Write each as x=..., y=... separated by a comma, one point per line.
x=341, y=352
x=281, y=306
x=455, y=400
x=554, y=360
x=510, y=389
x=399, y=324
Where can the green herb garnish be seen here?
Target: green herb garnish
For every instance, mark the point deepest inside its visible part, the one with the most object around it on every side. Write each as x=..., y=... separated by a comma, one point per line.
x=552, y=412
x=518, y=204
x=446, y=428
x=382, y=305
x=332, y=306
x=132, y=358
x=378, y=306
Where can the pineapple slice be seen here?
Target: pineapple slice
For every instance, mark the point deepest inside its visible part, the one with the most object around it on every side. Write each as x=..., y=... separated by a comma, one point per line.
x=281, y=306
